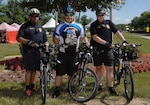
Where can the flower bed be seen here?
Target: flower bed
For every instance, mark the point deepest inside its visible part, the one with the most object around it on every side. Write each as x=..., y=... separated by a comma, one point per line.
x=140, y=65
x=13, y=63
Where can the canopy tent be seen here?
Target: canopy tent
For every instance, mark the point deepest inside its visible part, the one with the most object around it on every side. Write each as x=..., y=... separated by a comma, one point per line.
x=50, y=24
x=11, y=32
x=17, y=26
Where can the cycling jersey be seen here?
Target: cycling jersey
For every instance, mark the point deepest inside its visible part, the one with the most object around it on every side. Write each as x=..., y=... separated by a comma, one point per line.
x=69, y=35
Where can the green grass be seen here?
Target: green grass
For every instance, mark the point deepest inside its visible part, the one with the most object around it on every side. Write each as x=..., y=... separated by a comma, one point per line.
x=13, y=49
x=135, y=38
x=8, y=50
x=12, y=93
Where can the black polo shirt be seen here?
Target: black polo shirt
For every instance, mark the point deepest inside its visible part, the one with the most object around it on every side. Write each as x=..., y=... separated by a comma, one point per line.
x=103, y=30
x=33, y=32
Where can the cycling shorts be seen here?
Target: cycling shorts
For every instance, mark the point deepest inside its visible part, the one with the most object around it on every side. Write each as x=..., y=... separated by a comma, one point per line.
x=66, y=64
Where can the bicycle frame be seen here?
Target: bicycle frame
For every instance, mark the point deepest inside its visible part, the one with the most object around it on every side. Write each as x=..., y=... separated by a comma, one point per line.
x=124, y=69
x=47, y=62
x=84, y=79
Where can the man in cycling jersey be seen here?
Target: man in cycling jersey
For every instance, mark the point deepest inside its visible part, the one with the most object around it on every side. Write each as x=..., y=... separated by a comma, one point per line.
x=67, y=35
x=30, y=34
x=101, y=38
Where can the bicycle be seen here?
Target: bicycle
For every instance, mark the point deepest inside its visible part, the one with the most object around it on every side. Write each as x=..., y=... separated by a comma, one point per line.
x=83, y=84
x=123, y=55
x=47, y=63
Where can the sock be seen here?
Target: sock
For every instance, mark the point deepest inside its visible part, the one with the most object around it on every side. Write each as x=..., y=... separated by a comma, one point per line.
x=27, y=87
x=32, y=86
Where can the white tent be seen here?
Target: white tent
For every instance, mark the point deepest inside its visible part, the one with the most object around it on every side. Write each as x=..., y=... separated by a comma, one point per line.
x=50, y=24
x=17, y=26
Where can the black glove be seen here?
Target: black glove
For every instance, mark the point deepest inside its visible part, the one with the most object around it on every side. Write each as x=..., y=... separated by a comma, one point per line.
x=32, y=43
x=107, y=44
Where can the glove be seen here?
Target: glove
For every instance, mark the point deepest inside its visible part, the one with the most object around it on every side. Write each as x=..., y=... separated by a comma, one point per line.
x=32, y=43
x=124, y=42
x=107, y=44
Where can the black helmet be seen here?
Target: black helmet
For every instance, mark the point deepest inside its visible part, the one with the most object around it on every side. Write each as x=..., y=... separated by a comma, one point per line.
x=68, y=9
x=34, y=11
x=100, y=11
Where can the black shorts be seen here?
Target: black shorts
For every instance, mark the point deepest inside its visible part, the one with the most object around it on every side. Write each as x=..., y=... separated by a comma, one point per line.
x=103, y=57
x=31, y=60
x=67, y=64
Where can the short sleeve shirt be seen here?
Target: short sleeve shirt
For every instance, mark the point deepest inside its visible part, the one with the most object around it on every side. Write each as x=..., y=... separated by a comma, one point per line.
x=32, y=32
x=103, y=30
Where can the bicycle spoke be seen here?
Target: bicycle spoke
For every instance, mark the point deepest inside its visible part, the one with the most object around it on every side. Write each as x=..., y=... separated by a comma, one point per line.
x=129, y=84
x=85, y=88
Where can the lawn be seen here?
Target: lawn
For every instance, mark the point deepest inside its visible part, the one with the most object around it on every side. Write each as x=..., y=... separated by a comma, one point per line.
x=11, y=93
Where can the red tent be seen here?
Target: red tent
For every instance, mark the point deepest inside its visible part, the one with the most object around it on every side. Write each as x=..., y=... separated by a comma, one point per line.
x=11, y=32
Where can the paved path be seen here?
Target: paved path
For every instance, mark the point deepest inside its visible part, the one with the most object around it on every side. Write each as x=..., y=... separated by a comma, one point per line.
x=147, y=37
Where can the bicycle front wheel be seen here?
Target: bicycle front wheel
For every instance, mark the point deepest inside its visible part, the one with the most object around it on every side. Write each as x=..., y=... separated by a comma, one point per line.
x=128, y=83
x=44, y=84
x=83, y=85
x=116, y=72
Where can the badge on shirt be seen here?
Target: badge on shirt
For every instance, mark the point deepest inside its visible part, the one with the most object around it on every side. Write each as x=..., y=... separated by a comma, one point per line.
x=107, y=26
x=40, y=30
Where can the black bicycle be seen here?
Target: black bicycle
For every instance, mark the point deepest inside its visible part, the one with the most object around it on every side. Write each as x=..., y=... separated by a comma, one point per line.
x=124, y=54
x=47, y=63
x=83, y=84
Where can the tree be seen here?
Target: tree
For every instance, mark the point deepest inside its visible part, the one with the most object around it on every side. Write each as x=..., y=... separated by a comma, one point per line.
x=17, y=10
x=78, y=5
x=139, y=23
x=12, y=12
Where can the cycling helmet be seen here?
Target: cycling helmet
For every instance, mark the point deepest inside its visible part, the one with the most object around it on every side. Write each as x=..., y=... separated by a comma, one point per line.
x=68, y=9
x=100, y=11
x=34, y=11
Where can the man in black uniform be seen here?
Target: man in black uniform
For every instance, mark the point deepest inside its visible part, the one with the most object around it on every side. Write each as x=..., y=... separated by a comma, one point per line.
x=30, y=34
x=101, y=38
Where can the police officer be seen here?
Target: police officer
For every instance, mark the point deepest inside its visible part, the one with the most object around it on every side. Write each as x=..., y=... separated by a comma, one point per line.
x=30, y=34
x=101, y=38
x=67, y=36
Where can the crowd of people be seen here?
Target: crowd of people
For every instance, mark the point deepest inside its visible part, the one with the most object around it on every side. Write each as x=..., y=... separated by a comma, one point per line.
x=67, y=35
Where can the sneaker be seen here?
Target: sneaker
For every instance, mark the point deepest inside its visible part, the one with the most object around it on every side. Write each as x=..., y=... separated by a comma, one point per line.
x=99, y=88
x=34, y=89
x=56, y=92
x=28, y=92
x=112, y=91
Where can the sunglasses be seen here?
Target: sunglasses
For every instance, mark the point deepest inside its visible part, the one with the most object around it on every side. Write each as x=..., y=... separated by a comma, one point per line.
x=35, y=16
x=100, y=15
x=69, y=14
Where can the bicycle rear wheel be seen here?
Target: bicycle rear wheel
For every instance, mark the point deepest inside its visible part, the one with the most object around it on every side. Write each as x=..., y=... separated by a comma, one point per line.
x=128, y=83
x=44, y=84
x=85, y=85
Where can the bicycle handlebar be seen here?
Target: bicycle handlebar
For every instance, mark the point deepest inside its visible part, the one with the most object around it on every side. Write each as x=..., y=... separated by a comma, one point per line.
x=132, y=45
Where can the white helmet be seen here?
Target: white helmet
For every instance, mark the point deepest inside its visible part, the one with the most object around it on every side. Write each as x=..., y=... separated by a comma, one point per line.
x=34, y=11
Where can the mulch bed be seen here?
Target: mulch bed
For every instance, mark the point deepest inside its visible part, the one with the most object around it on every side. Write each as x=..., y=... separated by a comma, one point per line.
x=14, y=68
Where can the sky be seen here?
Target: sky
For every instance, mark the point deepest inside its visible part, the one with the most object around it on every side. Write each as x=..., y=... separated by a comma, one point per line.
x=131, y=9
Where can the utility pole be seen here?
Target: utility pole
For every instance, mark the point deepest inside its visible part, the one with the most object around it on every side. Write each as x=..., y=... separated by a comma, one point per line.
x=110, y=13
